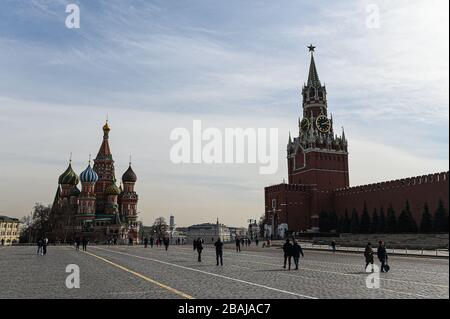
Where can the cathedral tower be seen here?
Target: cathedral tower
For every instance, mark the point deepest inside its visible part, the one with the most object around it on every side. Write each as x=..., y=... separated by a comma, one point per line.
x=104, y=167
x=86, y=206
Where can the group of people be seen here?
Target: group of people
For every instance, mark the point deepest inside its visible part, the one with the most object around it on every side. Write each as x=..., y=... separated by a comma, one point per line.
x=158, y=242
x=244, y=242
x=84, y=242
x=381, y=254
x=292, y=250
x=42, y=244
x=218, y=244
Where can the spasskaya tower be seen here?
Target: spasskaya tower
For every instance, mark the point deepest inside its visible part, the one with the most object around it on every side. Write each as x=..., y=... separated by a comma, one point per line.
x=317, y=156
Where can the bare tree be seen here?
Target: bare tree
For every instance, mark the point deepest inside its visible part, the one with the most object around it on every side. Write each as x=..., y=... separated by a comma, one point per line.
x=160, y=227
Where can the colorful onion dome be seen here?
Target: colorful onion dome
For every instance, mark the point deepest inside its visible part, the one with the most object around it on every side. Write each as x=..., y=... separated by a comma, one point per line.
x=74, y=192
x=129, y=176
x=69, y=177
x=113, y=189
x=88, y=175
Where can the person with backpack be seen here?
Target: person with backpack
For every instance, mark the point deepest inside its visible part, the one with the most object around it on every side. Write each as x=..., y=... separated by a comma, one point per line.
x=382, y=256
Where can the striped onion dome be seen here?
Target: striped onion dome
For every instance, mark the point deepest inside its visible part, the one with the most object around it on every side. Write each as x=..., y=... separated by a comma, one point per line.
x=69, y=177
x=113, y=189
x=129, y=176
x=88, y=175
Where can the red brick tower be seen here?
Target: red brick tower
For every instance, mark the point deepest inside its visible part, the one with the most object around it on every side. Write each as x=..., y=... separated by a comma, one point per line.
x=317, y=165
x=104, y=167
x=318, y=156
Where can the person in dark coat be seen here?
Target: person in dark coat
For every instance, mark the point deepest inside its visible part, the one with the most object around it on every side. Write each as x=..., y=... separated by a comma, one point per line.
x=77, y=243
x=166, y=243
x=145, y=242
x=287, y=249
x=199, y=248
x=219, y=251
x=44, y=246
x=151, y=242
x=296, y=252
x=238, y=245
x=382, y=255
x=84, y=242
x=333, y=246
x=368, y=253
x=256, y=241
x=194, y=244
x=39, y=244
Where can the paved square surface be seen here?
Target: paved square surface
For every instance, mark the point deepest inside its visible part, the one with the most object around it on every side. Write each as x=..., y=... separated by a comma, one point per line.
x=137, y=272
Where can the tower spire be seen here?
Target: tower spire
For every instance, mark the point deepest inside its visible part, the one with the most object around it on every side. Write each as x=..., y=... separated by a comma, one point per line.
x=313, y=76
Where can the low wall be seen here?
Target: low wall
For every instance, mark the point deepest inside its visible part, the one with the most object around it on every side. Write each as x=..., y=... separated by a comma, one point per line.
x=409, y=241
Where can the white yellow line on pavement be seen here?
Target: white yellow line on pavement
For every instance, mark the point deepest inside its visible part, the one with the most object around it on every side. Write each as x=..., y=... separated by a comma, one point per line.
x=175, y=291
x=210, y=273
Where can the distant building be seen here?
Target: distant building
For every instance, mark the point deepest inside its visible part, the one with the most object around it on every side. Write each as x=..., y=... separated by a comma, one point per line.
x=209, y=232
x=238, y=232
x=9, y=230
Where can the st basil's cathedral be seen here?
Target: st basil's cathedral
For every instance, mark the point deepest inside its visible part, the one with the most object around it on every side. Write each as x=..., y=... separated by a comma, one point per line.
x=101, y=210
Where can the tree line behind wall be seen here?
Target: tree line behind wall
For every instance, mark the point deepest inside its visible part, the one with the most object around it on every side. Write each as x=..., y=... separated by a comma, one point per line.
x=380, y=221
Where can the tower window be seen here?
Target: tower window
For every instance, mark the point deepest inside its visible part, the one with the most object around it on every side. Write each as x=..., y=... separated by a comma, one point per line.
x=312, y=93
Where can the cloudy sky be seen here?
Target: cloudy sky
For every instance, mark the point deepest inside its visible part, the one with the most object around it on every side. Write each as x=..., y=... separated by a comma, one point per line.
x=153, y=66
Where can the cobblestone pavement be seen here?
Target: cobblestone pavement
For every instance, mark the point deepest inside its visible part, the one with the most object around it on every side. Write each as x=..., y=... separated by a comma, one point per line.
x=137, y=272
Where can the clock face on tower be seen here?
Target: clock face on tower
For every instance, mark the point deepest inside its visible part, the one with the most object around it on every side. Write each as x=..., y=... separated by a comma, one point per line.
x=323, y=124
x=305, y=125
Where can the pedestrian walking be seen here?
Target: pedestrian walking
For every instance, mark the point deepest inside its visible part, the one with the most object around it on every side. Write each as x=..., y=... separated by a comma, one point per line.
x=39, y=244
x=238, y=245
x=256, y=241
x=382, y=256
x=194, y=244
x=3, y=241
x=199, y=247
x=296, y=252
x=77, y=243
x=287, y=249
x=145, y=242
x=368, y=254
x=219, y=251
x=44, y=246
x=151, y=242
x=166, y=243
x=333, y=246
x=84, y=243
